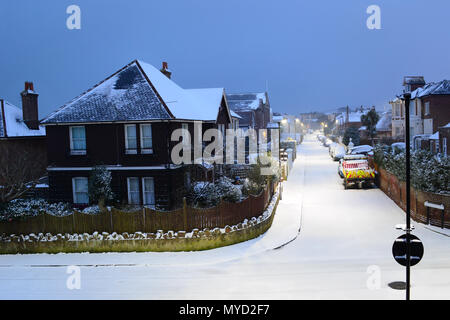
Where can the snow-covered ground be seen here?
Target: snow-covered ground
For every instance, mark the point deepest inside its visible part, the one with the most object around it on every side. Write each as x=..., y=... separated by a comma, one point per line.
x=344, y=233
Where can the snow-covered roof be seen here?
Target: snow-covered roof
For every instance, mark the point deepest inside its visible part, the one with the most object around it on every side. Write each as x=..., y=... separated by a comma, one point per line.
x=12, y=125
x=277, y=118
x=434, y=88
x=139, y=91
x=434, y=136
x=195, y=104
x=245, y=101
x=235, y=115
x=385, y=122
x=446, y=126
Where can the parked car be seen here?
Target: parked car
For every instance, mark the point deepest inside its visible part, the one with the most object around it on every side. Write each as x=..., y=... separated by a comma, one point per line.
x=363, y=149
x=331, y=148
x=355, y=169
x=338, y=152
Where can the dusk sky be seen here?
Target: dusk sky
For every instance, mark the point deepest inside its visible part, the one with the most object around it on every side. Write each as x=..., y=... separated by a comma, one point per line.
x=314, y=55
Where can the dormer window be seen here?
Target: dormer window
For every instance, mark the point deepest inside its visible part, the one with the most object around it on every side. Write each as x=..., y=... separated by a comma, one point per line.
x=77, y=140
x=146, y=138
x=130, y=139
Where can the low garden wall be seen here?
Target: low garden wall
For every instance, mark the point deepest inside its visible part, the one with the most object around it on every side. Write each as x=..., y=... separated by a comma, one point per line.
x=396, y=190
x=133, y=233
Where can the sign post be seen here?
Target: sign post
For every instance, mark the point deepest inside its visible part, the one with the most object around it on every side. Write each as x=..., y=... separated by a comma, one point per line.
x=408, y=195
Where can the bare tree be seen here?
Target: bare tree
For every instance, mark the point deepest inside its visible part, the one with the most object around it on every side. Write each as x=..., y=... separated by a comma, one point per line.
x=21, y=167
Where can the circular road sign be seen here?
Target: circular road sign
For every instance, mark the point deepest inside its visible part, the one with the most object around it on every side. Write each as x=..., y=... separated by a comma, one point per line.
x=399, y=249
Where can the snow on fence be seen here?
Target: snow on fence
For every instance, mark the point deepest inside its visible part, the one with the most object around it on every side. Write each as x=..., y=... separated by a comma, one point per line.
x=145, y=220
x=396, y=190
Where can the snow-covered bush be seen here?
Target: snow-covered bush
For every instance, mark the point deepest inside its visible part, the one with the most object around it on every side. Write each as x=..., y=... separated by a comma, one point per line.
x=208, y=194
x=227, y=190
x=258, y=179
x=203, y=194
x=33, y=207
x=100, y=185
x=250, y=187
x=91, y=210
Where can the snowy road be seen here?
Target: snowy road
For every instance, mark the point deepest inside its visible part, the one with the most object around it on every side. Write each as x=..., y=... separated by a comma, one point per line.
x=343, y=233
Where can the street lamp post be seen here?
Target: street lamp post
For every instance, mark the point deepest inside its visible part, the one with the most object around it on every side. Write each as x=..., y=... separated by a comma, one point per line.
x=408, y=196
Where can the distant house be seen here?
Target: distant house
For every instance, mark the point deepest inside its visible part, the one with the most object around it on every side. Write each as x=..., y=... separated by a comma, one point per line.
x=21, y=134
x=429, y=111
x=350, y=119
x=384, y=125
x=125, y=123
x=253, y=108
x=429, y=108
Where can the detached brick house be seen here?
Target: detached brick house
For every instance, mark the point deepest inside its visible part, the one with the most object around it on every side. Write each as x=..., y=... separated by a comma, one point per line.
x=21, y=134
x=125, y=123
x=253, y=109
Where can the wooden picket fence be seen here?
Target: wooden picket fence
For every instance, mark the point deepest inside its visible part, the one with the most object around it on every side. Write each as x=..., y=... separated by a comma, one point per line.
x=145, y=220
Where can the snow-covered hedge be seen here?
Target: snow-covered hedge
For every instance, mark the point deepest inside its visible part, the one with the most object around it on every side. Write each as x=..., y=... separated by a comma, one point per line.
x=429, y=172
x=33, y=207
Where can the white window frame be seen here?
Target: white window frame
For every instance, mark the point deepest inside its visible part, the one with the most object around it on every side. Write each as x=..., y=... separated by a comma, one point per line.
x=127, y=149
x=145, y=150
x=72, y=150
x=427, y=108
x=144, y=191
x=129, y=191
x=74, y=193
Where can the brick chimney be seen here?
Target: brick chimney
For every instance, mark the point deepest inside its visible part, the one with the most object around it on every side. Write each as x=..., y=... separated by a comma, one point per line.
x=411, y=83
x=30, y=106
x=165, y=70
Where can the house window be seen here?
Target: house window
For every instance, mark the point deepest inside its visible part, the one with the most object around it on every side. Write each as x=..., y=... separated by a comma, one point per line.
x=134, y=196
x=146, y=138
x=130, y=139
x=427, y=108
x=77, y=140
x=80, y=190
x=444, y=146
x=148, y=191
